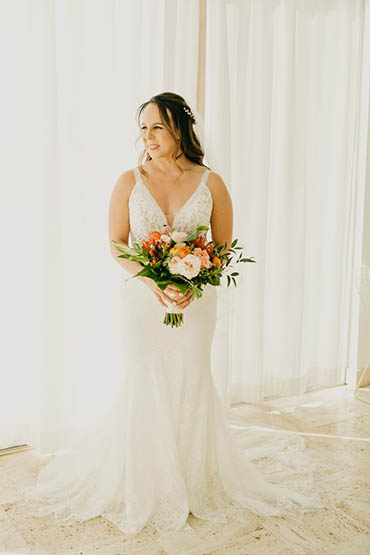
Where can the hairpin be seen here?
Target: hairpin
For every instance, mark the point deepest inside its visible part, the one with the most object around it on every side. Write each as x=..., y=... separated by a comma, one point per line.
x=189, y=113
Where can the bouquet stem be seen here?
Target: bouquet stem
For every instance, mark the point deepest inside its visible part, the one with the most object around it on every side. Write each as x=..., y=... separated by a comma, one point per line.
x=173, y=316
x=173, y=319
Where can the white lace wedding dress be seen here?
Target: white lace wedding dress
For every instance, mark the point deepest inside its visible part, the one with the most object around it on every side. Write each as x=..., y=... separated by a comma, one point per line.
x=165, y=448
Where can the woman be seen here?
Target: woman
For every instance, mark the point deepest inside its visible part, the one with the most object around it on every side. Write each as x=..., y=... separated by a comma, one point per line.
x=165, y=449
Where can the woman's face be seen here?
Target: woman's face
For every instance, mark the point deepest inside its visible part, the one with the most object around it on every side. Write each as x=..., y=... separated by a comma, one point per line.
x=157, y=140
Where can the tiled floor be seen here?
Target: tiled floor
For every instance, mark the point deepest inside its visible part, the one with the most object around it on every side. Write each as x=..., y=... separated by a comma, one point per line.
x=336, y=430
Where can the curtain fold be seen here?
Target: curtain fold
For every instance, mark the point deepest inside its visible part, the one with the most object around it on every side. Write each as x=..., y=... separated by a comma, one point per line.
x=281, y=94
x=282, y=88
x=75, y=74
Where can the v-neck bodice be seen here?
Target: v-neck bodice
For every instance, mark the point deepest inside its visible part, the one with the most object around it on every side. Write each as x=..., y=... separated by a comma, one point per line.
x=146, y=215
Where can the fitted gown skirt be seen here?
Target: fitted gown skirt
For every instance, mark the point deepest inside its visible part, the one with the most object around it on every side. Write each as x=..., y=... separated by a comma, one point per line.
x=180, y=456
x=164, y=449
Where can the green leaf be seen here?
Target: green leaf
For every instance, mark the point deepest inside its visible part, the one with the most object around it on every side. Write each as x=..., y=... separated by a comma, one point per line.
x=182, y=286
x=147, y=272
x=163, y=283
x=197, y=291
x=138, y=259
x=234, y=243
x=214, y=280
x=234, y=281
x=235, y=274
x=123, y=248
x=247, y=260
x=196, y=232
x=228, y=280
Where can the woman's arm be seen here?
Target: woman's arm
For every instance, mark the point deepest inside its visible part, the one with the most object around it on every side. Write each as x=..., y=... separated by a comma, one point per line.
x=119, y=229
x=119, y=222
x=222, y=213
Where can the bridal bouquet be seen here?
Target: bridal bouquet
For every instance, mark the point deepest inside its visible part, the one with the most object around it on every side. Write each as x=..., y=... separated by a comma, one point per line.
x=187, y=261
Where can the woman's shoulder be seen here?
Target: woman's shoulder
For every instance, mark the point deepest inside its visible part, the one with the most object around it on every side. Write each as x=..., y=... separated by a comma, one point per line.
x=215, y=181
x=218, y=189
x=128, y=176
x=127, y=180
x=125, y=183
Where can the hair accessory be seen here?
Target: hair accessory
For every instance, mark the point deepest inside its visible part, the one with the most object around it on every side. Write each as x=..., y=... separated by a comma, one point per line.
x=189, y=113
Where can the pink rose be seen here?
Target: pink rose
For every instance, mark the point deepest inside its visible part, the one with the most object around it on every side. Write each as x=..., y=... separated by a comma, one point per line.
x=204, y=257
x=190, y=266
x=175, y=266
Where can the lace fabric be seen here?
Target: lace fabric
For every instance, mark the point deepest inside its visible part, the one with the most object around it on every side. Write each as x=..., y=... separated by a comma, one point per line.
x=165, y=448
x=146, y=215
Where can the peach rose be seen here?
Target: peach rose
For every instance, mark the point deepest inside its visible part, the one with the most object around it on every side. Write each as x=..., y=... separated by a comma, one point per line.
x=175, y=266
x=204, y=257
x=191, y=266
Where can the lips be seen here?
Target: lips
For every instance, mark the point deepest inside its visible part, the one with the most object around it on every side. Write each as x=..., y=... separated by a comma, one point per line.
x=153, y=147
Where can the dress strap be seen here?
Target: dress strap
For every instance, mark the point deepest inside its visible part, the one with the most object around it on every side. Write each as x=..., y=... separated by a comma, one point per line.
x=137, y=174
x=205, y=174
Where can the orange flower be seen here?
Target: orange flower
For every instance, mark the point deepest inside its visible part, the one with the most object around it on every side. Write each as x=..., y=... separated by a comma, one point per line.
x=146, y=244
x=154, y=235
x=177, y=248
x=216, y=260
x=209, y=248
x=183, y=251
x=199, y=241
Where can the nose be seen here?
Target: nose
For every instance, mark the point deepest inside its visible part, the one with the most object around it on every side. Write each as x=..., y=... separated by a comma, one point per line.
x=148, y=134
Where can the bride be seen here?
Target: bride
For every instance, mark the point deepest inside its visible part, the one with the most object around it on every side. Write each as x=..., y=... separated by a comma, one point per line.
x=165, y=449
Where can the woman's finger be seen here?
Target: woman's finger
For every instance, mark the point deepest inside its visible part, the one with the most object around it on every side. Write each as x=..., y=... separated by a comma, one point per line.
x=185, y=300
x=174, y=291
x=159, y=297
x=169, y=298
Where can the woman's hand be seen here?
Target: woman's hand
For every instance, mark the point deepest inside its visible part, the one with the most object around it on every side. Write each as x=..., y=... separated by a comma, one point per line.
x=182, y=299
x=170, y=295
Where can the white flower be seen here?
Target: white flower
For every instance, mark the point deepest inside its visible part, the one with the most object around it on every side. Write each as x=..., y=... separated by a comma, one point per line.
x=166, y=229
x=166, y=238
x=190, y=266
x=175, y=266
x=179, y=236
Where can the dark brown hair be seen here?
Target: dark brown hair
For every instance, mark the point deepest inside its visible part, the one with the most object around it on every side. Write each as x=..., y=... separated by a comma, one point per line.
x=182, y=124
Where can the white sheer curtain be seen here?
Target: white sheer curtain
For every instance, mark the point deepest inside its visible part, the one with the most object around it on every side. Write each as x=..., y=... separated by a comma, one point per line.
x=282, y=90
x=74, y=74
